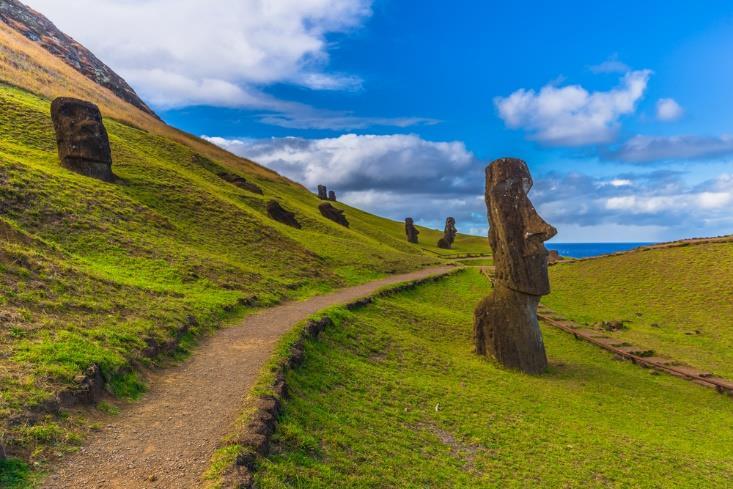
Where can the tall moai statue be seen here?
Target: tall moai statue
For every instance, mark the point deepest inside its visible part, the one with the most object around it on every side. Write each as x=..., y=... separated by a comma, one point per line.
x=322, y=192
x=82, y=140
x=449, y=234
x=332, y=196
x=505, y=323
x=411, y=230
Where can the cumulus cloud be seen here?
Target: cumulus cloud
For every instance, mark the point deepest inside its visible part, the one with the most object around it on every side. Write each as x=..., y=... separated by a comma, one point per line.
x=644, y=149
x=353, y=162
x=571, y=115
x=179, y=53
x=668, y=109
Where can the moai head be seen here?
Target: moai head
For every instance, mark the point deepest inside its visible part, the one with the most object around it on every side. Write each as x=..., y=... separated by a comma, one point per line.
x=332, y=195
x=411, y=230
x=82, y=140
x=517, y=233
x=450, y=229
x=322, y=192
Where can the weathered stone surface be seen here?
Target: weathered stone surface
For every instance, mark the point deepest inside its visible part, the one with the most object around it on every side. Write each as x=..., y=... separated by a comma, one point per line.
x=505, y=323
x=553, y=257
x=332, y=196
x=449, y=234
x=333, y=213
x=82, y=140
x=410, y=230
x=278, y=213
x=322, y=192
x=241, y=182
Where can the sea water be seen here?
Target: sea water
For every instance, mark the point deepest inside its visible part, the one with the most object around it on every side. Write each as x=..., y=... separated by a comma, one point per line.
x=583, y=250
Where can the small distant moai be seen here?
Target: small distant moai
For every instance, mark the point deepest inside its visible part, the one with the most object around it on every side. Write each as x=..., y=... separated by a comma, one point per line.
x=411, y=230
x=322, y=192
x=449, y=235
x=82, y=140
x=333, y=213
x=280, y=214
x=505, y=323
x=332, y=196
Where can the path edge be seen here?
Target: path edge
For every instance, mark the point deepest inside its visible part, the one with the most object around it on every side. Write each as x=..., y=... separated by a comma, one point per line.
x=235, y=463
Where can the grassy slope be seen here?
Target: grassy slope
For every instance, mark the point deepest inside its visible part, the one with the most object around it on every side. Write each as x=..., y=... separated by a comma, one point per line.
x=394, y=397
x=92, y=272
x=679, y=300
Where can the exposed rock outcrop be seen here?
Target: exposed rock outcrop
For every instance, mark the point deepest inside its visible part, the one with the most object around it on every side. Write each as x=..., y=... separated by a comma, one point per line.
x=82, y=140
x=505, y=323
x=332, y=196
x=333, y=213
x=410, y=230
x=241, y=182
x=278, y=213
x=39, y=29
x=322, y=192
x=449, y=234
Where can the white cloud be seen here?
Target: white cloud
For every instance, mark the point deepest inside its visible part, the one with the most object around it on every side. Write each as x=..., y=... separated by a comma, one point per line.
x=668, y=109
x=362, y=162
x=611, y=65
x=184, y=52
x=643, y=149
x=571, y=115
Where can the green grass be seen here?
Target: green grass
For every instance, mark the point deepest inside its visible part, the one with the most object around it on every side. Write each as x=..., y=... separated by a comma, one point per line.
x=679, y=301
x=394, y=397
x=95, y=273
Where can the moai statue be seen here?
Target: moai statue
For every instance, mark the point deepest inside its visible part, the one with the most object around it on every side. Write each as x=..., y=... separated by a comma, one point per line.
x=411, y=230
x=280, y=214
x=333, y=213
x=332, y=196
x=322, y=192
x=505, y=323
x=449, y=235
x=82, y=140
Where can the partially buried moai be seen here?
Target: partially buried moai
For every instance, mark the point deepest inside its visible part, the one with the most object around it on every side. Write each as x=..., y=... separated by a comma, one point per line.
x=505, y=323
x=410, y=230
x=332, y=195
x=82, y=140
x=449, y=234
x=322, y=192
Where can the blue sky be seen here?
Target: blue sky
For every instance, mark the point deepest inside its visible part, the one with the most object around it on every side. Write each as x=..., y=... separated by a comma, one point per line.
x=622, y=109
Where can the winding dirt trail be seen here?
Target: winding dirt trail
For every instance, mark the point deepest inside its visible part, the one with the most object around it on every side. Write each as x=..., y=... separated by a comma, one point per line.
x=167, y=438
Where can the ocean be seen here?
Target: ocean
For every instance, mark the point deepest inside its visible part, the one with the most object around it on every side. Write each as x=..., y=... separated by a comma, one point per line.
x=583, y=250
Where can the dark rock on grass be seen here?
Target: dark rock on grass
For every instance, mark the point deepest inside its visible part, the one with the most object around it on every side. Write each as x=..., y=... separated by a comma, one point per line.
x=411, y=231
x=278, y=213
x=613, y=325
x=88, y=391
x=322, y=192
x=449, y=234
x=241, y=182
x=83, y=143
x=333, y=213
x=332, y=196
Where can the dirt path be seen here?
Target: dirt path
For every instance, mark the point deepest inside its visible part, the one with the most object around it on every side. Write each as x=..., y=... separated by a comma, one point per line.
x=167, y=438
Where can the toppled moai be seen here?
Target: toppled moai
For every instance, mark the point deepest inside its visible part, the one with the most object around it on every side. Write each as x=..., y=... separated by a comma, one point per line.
x=332, y=196
x=449, y=234
x=505, y=323
x=241, y=182
x=322, y=192
x=82, y=140
x=278, y=213
x=410, y=230
x=333, y=213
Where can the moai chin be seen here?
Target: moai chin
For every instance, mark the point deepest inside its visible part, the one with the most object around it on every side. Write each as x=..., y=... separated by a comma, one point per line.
x=82, y=140
x=449, y=234
x=410, y=230
x=505, y=323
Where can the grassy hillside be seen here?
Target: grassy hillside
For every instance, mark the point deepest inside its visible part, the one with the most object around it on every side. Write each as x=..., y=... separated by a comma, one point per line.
x=394, y=397
x=679, y=300
x=117, y=275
